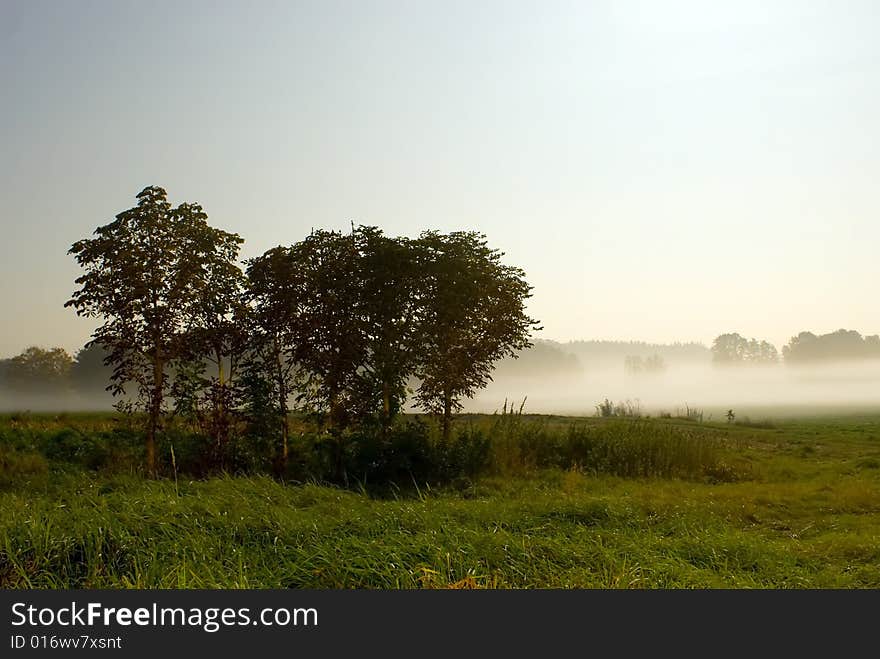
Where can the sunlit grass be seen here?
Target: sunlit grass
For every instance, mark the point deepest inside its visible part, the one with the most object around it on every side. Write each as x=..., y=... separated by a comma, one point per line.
x=797, y=519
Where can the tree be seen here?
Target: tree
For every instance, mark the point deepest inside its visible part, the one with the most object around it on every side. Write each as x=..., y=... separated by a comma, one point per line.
x=39, y=370
x=765, y=353
x=731, y=349
x=842, y=344
x=390, y=311
x=635, y=364
x=214, y=347
x=90, y=373
x=275, y=293
x=337, y=315
x=728, y=348
x=145, y=277
x=333, y=339
x=473, y=314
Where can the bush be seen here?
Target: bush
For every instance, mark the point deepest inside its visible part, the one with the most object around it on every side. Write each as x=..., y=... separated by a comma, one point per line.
x=400, y=457
x=68, y=445
x=185, y=453
x=405, y=456
x=467, y=454
x=626, y=408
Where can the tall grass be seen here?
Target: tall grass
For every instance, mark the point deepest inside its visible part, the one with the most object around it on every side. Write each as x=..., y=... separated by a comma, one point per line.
x=555, y=503
x=620, y=447
x=555, y=530
x=412, y=455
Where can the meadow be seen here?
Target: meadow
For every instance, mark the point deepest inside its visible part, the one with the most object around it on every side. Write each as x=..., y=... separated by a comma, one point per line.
x=533, y=502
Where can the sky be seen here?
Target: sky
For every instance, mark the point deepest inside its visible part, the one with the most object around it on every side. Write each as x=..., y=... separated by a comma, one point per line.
x=662, y=171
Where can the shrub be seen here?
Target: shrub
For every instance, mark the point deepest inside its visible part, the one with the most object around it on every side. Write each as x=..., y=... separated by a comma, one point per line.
x=407, y=455
x=627, y=408
x=72, y=446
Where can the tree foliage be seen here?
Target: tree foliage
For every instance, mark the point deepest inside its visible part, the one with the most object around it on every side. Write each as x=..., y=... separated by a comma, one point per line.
x=274, y=298
x=150, y=276
x=473, y=315
x=733, y=349
x=843, y=344
x=38, y=370
x=336, y=325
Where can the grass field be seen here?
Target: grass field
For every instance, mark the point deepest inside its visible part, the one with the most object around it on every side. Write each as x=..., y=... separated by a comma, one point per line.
x=665, y=503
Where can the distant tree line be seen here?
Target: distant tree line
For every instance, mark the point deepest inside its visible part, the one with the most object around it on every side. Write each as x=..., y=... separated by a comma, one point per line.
x=805, y=348
x=37, y=370
x=843, y=344
x=334, y=326
x=52, y=373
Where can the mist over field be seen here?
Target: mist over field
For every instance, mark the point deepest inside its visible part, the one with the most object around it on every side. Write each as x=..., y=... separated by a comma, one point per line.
x=759, y=391
x=573, y=378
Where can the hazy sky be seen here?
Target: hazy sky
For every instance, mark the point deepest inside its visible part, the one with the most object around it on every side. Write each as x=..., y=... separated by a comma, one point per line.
x=661, y=170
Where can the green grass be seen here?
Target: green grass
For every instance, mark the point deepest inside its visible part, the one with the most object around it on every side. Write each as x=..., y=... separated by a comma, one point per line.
x=792, y=504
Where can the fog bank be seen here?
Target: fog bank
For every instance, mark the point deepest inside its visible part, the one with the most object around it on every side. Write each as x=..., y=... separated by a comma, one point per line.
x=779, y=390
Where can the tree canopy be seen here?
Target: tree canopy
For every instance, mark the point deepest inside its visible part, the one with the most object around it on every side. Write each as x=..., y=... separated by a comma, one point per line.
x=733, y=349
x=37, y=370
x=474, y=315
x=150, y=275
x=338, y=325
x=843, y=344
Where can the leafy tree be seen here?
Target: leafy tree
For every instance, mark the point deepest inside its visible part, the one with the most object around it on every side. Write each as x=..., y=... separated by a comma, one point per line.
x=275, y=293
x=763, y=352
x=473, y=314
x=390, y=310
x=90, y=372
x=337, y=316
x=39, y=370
x=207, y=383
x=728, y=349
x=332, y=347
x=843, y=344
x=145, y=277
x=309, y=304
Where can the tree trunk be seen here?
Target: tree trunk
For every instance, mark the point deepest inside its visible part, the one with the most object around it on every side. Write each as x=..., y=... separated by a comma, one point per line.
x=220, y=410
x=281, y=462
x=335, y=415
x=386, y=406
x=447, y=416
x=335, y=428
x=285, y=434
x=155, y=410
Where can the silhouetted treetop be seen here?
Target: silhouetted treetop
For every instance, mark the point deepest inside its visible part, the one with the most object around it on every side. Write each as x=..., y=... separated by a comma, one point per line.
x=733, y=349
x=843, y=345
x=151, y=276
x=37, y=370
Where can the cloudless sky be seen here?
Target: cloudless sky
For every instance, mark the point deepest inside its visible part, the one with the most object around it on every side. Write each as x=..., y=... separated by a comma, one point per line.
x=662, y=170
